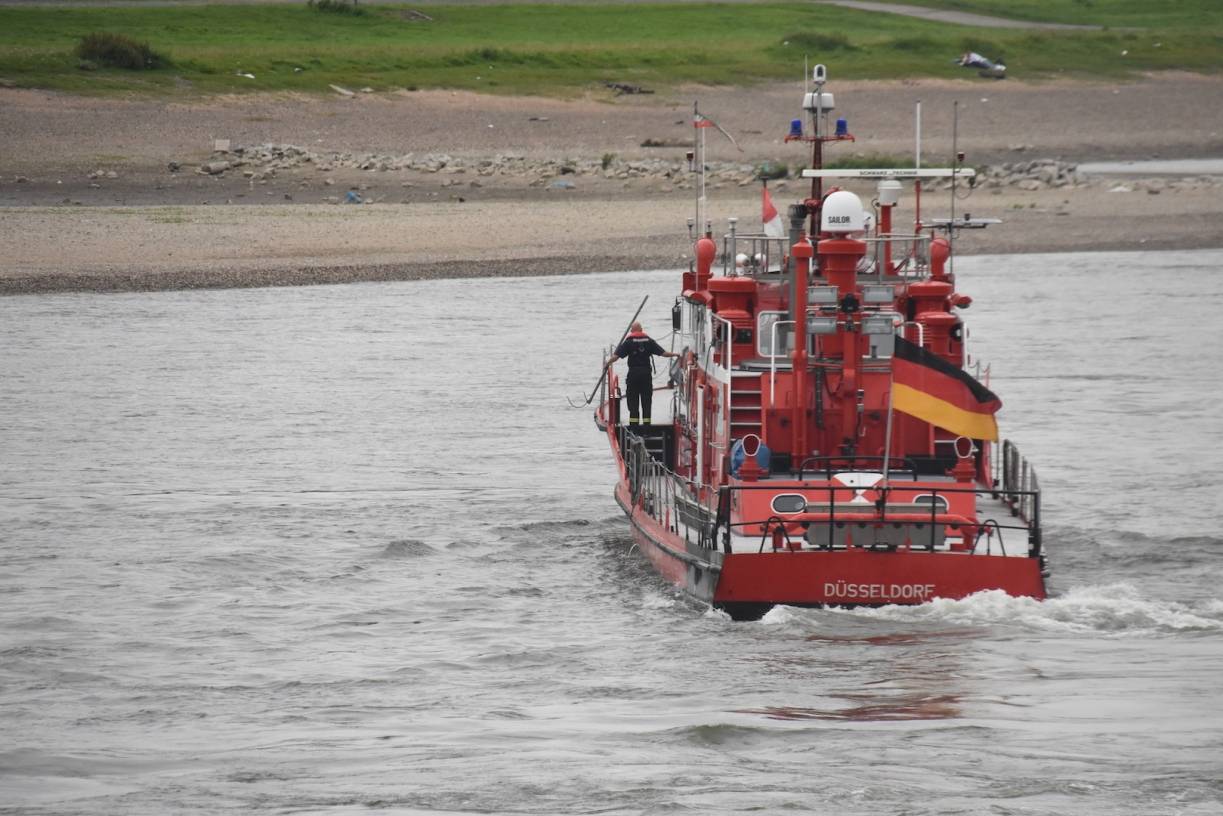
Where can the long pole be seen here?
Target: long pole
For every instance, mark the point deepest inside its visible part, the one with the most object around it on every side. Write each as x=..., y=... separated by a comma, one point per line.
x=609, y=362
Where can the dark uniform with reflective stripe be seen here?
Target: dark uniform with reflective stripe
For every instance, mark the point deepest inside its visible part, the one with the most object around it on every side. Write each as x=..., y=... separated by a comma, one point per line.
x=638, y=349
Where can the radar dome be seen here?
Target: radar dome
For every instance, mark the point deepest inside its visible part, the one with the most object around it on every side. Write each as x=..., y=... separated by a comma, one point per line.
x=842, y=212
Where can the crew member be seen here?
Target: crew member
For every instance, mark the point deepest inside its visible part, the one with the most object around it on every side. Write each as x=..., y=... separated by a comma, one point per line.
x=638, y=348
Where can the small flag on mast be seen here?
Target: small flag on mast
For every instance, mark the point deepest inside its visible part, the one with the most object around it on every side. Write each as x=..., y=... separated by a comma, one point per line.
x=770, y=217
x=700, y=120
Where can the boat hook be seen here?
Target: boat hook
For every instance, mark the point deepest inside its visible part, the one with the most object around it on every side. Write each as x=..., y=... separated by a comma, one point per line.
x=603, y=373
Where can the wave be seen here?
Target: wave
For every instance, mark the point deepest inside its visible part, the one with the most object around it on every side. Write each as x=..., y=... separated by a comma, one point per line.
x=1129, y=553
x=556, y=531
x=715, y=734
x=870, y=709
x=1118, y=609
x=407, y=548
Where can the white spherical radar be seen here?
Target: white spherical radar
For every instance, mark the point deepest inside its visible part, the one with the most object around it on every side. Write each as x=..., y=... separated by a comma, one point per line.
x=842, y=212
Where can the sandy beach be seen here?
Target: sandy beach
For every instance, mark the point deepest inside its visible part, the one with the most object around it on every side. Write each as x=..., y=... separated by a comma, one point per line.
x=115, y=194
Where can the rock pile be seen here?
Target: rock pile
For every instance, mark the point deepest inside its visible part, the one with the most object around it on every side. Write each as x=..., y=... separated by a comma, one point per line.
x=265, y=161
x=1038, y=174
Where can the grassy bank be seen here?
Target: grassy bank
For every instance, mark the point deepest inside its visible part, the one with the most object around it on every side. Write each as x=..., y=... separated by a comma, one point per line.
x=559, y=49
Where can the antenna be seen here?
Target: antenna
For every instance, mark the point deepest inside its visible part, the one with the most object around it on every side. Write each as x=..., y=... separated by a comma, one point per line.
x=955, y=165
x=917, y=163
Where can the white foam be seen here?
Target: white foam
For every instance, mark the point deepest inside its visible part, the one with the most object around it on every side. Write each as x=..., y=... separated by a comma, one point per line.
x=1114, y=608
x=1213, y=607
x=657, y=600
x=779, y=616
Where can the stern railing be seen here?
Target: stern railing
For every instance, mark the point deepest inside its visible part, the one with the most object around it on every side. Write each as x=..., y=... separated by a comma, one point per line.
x=1016, y=485
x=666, y=496
x=909, y=516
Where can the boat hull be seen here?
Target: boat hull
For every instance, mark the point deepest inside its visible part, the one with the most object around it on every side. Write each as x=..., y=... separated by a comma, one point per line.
x=746, y=585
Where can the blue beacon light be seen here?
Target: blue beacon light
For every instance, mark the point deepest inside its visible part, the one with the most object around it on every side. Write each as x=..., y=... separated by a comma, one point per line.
x=796, y=128
x=842, y=127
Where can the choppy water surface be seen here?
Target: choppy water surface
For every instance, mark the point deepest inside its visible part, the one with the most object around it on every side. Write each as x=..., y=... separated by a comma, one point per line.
x=346, y=548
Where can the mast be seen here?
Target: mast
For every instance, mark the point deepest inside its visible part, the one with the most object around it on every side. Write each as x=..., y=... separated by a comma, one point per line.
x=699, y=148
x=819, y=77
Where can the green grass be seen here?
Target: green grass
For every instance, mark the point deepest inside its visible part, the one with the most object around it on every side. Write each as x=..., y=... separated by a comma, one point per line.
x=567, y=50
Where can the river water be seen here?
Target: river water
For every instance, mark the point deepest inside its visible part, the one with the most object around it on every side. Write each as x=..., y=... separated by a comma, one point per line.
x=342, y=549
x=1155, y=167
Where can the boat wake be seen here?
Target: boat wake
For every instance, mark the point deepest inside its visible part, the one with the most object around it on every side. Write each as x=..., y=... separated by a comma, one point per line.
x=1113, y=609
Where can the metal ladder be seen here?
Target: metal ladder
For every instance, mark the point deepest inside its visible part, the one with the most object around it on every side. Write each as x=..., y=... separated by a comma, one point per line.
x=746, y=405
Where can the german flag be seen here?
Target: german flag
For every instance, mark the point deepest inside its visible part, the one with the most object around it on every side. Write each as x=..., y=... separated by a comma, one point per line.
x=928, y=387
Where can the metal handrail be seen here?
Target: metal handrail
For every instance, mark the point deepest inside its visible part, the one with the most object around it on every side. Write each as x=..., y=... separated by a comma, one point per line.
x=883, y=515
x=756, y=241
x=920, y=241
x=657, y=490
x=1016, y=479
x=829, y=460
x=1016, y=485
x=921, y=331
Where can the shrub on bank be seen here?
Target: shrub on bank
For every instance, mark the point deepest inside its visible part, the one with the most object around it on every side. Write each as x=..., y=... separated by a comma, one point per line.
x=336, y=6
x=818, y=43
x=772, y=171
x=118, y=51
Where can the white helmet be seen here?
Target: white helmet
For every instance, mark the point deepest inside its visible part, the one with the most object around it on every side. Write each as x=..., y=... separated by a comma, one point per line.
x=842, y=212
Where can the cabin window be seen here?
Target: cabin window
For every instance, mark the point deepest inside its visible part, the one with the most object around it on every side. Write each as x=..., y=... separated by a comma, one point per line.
x=789, y=503
x=766, y=334
x=939, y=502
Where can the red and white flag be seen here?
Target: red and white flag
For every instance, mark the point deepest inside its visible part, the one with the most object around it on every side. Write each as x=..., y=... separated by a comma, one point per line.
x=700, y=120
x=770, y=217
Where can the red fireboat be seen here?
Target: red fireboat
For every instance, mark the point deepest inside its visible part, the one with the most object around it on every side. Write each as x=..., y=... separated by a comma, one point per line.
x=827, y=443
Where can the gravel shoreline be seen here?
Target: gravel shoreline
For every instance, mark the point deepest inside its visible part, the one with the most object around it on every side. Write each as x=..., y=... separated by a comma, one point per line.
x=242, y=278
x=580, y=191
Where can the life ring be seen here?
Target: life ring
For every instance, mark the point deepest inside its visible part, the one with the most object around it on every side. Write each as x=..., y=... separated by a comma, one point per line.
x=965, y=448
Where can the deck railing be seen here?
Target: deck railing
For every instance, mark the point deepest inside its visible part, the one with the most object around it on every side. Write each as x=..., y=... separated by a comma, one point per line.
x=888, y=522
x=907, y=253
x=665, y=495
x=1015, y=481
x=915, y=516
